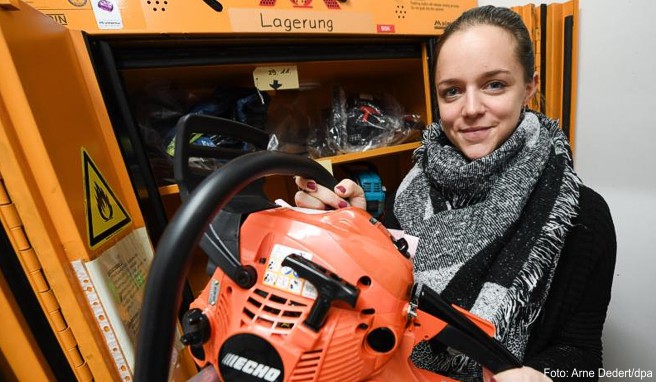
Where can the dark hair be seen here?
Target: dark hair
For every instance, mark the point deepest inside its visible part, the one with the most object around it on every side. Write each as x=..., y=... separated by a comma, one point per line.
x=501, y=17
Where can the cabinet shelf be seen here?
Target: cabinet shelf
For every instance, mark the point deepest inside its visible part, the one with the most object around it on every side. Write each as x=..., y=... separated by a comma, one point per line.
x=172, y=189
x=351, y=157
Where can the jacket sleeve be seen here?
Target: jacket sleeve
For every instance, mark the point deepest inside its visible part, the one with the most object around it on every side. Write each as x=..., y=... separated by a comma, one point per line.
x=568, y=342
x=389, y=219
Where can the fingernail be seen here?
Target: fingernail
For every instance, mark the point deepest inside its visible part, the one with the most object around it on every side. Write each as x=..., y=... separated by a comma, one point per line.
x=341, y=189
x=311, y=185
x=342, y=204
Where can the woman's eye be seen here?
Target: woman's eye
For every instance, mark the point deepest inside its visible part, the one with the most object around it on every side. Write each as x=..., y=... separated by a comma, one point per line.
x=450, y=92
x=496, y=85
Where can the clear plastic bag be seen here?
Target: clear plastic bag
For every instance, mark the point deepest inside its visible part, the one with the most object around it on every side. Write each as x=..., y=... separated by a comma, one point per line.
x=359, y=122
x=160, y=105
x=292, y=118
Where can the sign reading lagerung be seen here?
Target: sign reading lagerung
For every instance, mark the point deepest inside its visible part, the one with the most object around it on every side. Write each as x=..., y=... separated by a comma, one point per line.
x=326, y=17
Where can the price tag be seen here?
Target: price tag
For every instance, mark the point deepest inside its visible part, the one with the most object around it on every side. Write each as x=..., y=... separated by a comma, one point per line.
x=276, y=77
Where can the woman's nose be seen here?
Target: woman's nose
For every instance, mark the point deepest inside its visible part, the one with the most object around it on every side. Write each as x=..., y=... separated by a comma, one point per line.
x=473, y=105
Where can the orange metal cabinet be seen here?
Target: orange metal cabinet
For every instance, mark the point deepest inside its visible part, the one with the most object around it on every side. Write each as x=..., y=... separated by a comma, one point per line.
x=554, y=30
x=76, y=178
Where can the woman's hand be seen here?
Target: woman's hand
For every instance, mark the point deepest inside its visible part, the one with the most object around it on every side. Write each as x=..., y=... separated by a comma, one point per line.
x=312, y=195
x=522, y=374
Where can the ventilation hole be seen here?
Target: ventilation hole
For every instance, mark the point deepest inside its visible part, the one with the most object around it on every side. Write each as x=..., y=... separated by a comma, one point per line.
x=254, y=302
x=263, y=321
x=285, y=325
x=369, y=311
x=363, y=326
x=289, y=313
x=261, y=293
x=271, y=310
x=278, y=299
x=249, y=313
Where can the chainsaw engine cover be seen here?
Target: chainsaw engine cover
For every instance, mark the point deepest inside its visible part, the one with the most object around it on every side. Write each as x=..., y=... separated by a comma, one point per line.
x=269, y=332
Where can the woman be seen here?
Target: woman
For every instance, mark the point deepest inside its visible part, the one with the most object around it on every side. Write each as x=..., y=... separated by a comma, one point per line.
x=506, y=228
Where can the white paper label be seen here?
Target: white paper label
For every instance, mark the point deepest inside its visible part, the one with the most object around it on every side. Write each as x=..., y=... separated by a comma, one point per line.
x=108, y=15
x=285, y=278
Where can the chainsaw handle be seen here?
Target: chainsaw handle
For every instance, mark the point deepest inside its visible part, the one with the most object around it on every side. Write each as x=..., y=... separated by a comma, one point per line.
x=192, y=124
x=172, y=259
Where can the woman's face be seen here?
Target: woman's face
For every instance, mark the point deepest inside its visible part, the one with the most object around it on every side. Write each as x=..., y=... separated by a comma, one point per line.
x=480, y=89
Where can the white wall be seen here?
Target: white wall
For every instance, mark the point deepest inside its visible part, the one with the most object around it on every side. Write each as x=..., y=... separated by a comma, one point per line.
x=616, y=155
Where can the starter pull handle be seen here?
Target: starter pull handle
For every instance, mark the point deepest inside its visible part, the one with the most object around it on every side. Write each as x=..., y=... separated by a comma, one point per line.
x=330, y=287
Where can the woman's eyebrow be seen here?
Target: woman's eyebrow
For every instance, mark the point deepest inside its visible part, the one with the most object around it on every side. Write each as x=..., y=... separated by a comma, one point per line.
x=491, y=73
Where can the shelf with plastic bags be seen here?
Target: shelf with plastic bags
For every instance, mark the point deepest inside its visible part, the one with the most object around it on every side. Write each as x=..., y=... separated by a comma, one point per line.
x=373, y=154
x=393, y=154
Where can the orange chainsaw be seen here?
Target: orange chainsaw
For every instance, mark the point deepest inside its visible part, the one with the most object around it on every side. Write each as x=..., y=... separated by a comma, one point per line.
x=294, y=295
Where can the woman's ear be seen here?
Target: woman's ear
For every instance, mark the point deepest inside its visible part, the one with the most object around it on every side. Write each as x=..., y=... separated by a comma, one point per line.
x=532, y=87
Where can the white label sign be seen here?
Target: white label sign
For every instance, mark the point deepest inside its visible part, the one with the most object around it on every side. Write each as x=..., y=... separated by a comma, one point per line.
x=108, y=15
x=285, y=278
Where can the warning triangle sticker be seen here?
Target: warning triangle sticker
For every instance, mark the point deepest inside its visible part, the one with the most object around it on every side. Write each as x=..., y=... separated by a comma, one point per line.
x=105, y=214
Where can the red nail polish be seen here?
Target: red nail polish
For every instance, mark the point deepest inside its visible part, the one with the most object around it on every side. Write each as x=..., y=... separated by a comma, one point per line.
x=312, y=186
x=342, y=204
x=341, y=189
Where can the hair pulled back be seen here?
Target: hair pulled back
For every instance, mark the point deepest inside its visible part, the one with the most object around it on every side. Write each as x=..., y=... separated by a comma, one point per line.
x=501, y=17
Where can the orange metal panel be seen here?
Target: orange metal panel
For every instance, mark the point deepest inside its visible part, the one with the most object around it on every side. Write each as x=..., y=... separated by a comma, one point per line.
x=426, y=68
x=530, y=16
x=554, y=61
x=24, y=359
x=46, y=117
x=57, y=118
x=321, y=17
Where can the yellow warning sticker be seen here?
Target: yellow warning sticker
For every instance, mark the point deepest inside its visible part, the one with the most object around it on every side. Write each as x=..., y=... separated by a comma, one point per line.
x=105, y=214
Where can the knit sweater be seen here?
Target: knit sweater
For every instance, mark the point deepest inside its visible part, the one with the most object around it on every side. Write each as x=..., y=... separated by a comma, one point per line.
x=567, y=338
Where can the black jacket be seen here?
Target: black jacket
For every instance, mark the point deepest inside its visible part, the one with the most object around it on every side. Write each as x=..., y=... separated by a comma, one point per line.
x=567, y=337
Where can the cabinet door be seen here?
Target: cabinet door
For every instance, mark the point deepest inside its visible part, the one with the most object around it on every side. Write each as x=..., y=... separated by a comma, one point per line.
x=51, y=119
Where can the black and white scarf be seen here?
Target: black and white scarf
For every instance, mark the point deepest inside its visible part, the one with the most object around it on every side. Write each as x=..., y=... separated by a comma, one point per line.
x=490, y=230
